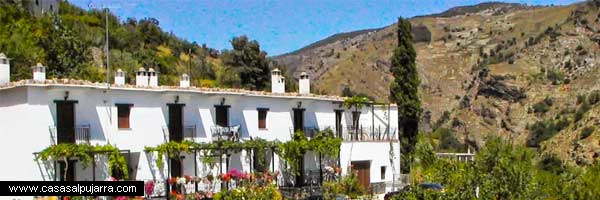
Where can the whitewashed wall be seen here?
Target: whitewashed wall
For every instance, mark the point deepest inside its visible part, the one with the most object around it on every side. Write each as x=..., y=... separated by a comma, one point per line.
x=26, y=113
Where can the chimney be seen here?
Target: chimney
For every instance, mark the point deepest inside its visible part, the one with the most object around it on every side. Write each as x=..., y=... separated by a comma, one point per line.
x=4, y=70
x=141, y=80
x=39, y=73
x=184, y=82
x=153, y=78
x=119, y=78
x=277, y=82
x=304, y=83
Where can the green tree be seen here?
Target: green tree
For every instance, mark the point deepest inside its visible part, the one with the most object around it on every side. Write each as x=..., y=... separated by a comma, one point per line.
x=404, y=89
x=249, y=62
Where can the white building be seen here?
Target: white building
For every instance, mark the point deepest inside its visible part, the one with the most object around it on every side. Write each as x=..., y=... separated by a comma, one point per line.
x=37, y=114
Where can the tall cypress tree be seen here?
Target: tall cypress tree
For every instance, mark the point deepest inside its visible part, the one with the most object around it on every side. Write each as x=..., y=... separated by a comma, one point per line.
x=404, y=91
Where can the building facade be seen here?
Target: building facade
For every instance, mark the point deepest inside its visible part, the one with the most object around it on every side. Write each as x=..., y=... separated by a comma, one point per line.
x=38, y=113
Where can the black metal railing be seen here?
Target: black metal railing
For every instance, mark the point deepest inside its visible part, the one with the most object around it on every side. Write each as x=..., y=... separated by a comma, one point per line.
x=369, y=133
x=82, y=134
x=226, y=132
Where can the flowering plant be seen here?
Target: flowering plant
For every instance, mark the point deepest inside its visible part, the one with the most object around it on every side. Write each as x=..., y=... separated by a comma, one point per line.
x=172, y=180
x=188, y=178
x=236, y=174
x=149, y=188
x=181, y=181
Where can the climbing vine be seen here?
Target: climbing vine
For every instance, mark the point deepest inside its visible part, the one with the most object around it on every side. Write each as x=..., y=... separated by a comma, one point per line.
x=84, y=153
x=356, y=101
x=324, y=143
x=291, y=151
x=174, y=149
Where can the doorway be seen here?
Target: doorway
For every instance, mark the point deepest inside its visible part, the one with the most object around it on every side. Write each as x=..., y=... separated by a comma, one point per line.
x=175, y=134
x=70, y=172
x=363, y=170
x=338, y=122
x=175, y=122
x=65, y=121
x=298, y=119
x=222, y=115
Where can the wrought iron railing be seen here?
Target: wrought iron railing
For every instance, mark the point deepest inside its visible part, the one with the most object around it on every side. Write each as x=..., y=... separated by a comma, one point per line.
x=464, y=157
x=82, y=134
x=366, y=133
x=189, y=133
x=226, y=132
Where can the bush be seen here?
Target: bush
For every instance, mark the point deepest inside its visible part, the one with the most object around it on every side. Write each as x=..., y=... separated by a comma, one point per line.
x=543, y=130
x=586, y=132
x=556, y=76
x=348, y=186
x=581, y=98
x=543, y=106
x=594, y=97
x=250, y=192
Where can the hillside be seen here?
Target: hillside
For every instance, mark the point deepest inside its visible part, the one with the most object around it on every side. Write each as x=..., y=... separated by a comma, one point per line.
x=71, y=43
x=490, y=69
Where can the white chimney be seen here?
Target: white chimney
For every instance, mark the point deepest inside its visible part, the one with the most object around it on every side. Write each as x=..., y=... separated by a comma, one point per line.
x=184, y=82
x=4, y=70
x=119, y=78
x=277, y=82
x=153, y=78
x=39, y=73
x=140, y=78
x=304, y=83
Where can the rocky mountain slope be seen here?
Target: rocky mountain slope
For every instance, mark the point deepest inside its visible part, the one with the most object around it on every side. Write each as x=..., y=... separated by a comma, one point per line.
x=523, y=73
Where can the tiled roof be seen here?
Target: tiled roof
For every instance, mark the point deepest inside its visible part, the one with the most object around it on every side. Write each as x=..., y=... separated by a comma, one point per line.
x=204, y=90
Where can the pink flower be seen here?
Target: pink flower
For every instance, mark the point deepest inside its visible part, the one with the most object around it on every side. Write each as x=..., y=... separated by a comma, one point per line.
x=149, y=187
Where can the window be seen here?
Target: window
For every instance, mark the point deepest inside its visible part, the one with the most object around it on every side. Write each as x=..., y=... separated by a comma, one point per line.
x=123, y=111
x=262, y=118
x=382, y=172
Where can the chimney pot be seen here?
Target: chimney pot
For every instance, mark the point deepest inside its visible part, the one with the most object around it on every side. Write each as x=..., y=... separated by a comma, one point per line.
x=39, y=73
x=4, y=69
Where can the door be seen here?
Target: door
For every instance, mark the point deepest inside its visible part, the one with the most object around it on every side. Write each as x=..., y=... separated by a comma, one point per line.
x=70, y=172
x=363, y=170
x=175, y=122
x=175, y=134
x=65, y=121
x=338, y=122
x=298, y=119
x=176, y=168
x=222, y=115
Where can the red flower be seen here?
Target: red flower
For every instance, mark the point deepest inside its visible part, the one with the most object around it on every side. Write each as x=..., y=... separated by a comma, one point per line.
x=173, y=180
x=188, y=179
x=226, y=177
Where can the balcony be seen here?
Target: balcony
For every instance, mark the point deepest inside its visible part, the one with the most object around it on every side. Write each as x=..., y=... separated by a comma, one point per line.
x=366, y=133
x=82, y=135
x=189, y=133
x=309, y=131
x=231, y=133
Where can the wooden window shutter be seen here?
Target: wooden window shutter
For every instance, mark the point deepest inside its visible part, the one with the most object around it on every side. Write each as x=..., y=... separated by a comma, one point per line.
x=262, y=118
x=123, y=111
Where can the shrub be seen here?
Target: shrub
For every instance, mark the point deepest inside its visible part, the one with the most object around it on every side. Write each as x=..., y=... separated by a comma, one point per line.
x=552, y=163
x=543, y=106
x=586, y=132
x=594, y=97
x=543, y=130
x=581, y=98
x=556, y=76
x=348, y=186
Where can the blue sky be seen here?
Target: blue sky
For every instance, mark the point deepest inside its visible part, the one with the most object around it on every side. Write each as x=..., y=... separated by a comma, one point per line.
x=279, y=26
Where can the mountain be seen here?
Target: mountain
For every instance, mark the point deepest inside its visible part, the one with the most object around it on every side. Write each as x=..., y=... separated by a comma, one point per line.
x=525, y=73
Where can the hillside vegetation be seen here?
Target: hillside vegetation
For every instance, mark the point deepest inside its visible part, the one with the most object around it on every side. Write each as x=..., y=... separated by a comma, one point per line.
x=493, y=69
x=72, y=45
